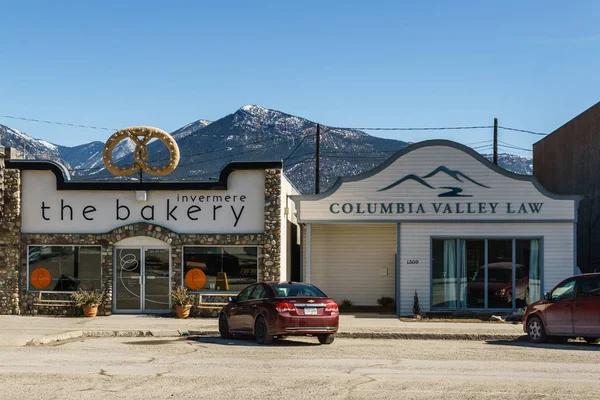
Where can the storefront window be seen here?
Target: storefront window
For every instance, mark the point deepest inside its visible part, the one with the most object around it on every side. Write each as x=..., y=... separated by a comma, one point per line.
x=529, y=282
x=461, y=276
x=65, y=268
x=220, y=268
x=499, y=273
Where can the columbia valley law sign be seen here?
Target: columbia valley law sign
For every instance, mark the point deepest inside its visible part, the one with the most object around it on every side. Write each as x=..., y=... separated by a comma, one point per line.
x=437, y=181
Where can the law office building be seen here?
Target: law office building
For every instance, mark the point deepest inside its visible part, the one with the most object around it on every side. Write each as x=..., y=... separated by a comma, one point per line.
x=440, y=220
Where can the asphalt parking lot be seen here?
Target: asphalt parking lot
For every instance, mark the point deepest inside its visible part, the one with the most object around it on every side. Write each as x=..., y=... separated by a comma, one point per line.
x=208, y=367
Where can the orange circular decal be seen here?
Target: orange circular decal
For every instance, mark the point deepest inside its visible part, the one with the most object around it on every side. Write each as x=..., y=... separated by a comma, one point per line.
x=40, y=278
x=195, y=279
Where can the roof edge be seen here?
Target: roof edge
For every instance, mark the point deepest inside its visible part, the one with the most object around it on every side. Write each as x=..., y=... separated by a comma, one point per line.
x=64, y=182
x=429, y=143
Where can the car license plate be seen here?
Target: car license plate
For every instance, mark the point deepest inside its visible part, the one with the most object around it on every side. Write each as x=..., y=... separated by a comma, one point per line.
x=310, y=311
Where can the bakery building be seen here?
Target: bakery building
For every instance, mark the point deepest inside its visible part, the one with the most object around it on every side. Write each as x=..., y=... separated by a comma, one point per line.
x=439, y=220
x=137, y=241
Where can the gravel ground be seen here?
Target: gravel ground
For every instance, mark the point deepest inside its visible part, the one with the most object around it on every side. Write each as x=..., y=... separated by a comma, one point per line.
x=211, y=368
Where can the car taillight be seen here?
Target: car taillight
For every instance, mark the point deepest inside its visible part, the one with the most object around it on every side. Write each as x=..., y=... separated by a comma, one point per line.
x=332, y=307
x=284, y=307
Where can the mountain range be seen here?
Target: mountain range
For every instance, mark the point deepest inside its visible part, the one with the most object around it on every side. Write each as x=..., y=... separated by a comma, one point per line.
x=252, y=133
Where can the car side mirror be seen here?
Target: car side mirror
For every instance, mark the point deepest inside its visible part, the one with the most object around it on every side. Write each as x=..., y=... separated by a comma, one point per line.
x=547, y=296
x=232, y=299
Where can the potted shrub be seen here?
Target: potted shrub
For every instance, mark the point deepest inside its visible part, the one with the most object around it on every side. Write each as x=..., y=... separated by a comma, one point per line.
x=182, y=301
x=88, y=302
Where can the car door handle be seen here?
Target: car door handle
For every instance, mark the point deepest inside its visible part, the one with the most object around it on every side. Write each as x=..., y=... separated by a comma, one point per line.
x=576, y=304
x=567, y=305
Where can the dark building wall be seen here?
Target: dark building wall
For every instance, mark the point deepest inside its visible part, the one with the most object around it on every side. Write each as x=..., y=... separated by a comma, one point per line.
x=568, y=162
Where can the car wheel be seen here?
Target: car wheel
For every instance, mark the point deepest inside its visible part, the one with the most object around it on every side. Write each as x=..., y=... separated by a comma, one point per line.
x=261, y=332
x=224, y=327
x=326, y=339
x=535, y=330
x=591, y=340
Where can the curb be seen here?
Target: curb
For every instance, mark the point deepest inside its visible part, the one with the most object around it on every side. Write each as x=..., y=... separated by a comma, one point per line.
x=408, y=335
x=73, y=335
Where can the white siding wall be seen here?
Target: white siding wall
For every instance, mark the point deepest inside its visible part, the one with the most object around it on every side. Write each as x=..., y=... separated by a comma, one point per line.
x=348, y=261
x=285, y=253
x=558, y=245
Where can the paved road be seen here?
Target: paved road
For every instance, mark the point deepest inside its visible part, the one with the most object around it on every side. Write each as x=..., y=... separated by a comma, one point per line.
x=211, y=368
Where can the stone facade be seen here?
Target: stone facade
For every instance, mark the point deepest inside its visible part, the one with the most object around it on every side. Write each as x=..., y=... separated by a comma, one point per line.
x=10, y=231
x=15, y=298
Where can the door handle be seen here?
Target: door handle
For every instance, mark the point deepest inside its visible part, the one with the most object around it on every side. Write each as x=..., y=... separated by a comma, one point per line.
x=576, y=304
x=567, y=304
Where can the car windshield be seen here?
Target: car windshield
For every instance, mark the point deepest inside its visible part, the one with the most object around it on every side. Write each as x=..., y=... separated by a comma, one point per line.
x=294, y=290
x=494, y=275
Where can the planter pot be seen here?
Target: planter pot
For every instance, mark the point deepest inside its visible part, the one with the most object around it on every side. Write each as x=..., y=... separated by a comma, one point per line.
x=90, y=312
x=183, y=311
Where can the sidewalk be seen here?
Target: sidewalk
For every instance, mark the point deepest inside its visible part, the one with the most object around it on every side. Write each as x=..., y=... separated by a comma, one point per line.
x=25, y=330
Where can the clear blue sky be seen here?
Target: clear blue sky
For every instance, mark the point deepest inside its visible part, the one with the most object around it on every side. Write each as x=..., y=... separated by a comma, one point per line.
x=533, y=64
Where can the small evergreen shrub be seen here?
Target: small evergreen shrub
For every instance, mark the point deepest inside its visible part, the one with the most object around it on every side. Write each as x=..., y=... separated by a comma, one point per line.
x=416, y=306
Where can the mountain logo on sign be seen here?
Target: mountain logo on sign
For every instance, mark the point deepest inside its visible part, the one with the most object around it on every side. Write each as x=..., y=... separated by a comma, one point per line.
x=449, y=191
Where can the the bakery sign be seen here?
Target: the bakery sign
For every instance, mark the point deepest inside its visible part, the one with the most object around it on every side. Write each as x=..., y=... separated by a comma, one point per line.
x=239, y=209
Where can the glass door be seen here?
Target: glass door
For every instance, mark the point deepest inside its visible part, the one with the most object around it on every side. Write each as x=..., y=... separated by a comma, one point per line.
x=156, y=280
x=142, y=280
x=128, y=279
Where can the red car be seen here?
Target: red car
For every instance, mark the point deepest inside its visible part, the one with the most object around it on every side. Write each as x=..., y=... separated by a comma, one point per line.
x=499, y=286
x=276, y=309
x=571, y=309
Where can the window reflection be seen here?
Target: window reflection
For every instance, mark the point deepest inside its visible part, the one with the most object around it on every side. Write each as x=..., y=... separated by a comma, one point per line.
x=65, y=268
x=461, y=275
x=224, y=268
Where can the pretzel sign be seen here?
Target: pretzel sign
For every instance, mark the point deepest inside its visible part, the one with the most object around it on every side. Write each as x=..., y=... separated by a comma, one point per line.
x=140, y=135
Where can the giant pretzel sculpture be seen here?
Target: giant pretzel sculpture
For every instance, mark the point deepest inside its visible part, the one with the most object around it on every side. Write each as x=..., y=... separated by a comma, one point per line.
x=140, y=135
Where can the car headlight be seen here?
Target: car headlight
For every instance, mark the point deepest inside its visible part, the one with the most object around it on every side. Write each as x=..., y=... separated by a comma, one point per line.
x=500, y=292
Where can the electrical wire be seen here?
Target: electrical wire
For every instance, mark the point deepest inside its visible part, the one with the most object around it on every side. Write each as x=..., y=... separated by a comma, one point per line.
x=522, y=130
x=442, y=128
x=59, y=123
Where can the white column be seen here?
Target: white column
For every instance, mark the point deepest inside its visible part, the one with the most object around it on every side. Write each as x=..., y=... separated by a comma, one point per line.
x=307, y=256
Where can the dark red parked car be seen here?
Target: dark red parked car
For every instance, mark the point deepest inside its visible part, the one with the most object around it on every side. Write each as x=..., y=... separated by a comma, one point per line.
x=276, y=309
x=571, y=309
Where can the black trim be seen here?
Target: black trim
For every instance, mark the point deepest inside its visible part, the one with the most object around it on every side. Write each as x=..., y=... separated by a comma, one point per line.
x=64, y=182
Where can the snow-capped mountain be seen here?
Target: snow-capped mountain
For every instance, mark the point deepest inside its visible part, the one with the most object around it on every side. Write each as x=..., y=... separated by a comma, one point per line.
x=252, y=133
x=189, y=129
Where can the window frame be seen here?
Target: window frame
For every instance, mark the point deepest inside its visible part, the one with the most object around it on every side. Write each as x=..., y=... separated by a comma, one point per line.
x=486, y=239
x=202, y=291
x=36, y=290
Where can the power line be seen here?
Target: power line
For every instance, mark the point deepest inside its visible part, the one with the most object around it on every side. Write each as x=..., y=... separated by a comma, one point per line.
x=59, y=123
x=295, y=148
x=523, y=130
x=514, y=147
x=442, y=128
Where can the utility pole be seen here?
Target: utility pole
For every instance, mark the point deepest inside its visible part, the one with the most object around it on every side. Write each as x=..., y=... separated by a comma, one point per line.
x=496, y=141
x=318, y=160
